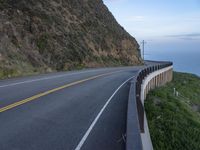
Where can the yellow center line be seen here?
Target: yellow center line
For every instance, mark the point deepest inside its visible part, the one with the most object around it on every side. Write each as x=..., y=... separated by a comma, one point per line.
x=21, y=102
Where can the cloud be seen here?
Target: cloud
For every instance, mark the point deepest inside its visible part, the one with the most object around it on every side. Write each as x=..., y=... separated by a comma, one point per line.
x=185, y=35
x=189, y=36
x=112, y=0
x=135, y=19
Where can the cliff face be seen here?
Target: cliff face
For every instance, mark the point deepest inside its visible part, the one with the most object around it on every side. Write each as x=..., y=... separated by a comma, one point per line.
x=45, y=35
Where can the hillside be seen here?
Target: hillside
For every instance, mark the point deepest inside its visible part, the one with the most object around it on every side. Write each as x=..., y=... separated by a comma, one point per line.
x=174, y=121
x=53, y=35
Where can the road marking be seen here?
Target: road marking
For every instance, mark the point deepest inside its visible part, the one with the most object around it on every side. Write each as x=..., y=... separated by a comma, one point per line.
x=46, y=78
x=50, y=91
x=78, y=147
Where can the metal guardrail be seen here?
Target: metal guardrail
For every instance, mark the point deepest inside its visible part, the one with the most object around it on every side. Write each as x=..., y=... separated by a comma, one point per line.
x=135, y=114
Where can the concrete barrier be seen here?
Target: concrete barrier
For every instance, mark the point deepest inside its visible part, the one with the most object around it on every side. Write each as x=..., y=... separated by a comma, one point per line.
x=155, y=79
x=147, y=79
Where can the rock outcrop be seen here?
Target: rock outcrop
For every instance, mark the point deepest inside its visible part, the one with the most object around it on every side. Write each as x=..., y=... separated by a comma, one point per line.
x=46, y=35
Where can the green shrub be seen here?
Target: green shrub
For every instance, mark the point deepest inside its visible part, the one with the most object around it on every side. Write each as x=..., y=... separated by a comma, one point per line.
x=173, y=124
x=42, y=42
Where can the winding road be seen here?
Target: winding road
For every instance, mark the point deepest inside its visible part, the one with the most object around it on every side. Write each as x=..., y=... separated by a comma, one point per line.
x=74, y=110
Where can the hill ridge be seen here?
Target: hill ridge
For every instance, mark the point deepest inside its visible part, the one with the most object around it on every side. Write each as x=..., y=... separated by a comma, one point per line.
x=47, y=35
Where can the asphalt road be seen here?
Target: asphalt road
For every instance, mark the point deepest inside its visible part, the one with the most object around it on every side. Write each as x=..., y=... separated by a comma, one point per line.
x=66, y=111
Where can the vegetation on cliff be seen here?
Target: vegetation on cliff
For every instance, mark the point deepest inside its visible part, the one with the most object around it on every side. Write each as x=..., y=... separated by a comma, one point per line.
x=45, y=35
x=174, y=120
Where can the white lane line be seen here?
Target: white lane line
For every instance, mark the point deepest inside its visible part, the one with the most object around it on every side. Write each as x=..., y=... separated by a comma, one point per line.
x=46, y=78
x=78, y=147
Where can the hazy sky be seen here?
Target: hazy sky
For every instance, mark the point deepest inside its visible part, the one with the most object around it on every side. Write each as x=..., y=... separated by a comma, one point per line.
x=170, y=27
x=146, y=19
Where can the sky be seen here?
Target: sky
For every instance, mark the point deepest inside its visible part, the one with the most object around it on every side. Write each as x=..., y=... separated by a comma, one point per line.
x=170, y=27
x=158, y=18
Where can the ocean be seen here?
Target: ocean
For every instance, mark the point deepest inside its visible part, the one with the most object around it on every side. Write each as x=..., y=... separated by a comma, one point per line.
x=185, y=54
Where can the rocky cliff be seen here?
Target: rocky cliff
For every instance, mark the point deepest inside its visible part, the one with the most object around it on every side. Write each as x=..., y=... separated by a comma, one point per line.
x=46, y=35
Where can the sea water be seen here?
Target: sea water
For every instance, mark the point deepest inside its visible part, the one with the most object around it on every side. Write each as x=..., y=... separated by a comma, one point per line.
x=185, y=54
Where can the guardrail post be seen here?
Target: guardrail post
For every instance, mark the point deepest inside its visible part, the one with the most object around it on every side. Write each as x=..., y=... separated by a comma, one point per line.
x=140, y=113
